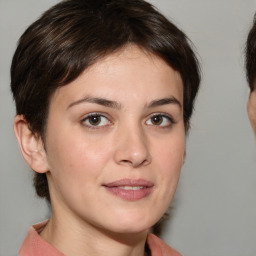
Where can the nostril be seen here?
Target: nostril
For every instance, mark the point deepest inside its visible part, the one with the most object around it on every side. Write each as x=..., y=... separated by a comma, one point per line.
x=135, y=163
x=127, y=161
x=132, y=150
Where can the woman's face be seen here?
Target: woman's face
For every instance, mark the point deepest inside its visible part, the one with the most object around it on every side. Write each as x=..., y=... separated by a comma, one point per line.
x=251, y=108
x=115, y=142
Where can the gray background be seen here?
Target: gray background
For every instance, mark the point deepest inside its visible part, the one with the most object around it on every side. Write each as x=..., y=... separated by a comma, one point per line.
x=214, y=210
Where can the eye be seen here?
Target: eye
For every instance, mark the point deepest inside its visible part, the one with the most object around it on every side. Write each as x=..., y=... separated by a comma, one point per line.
x=95, y=120
x=160, y=120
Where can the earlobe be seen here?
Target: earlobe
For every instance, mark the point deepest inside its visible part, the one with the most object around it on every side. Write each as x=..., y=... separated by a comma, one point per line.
x=31, y=145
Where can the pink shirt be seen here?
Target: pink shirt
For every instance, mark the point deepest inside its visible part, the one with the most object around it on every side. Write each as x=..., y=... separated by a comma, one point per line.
x=34, y=245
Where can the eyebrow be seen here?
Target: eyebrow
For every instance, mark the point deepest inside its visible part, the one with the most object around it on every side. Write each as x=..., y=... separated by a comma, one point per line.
x=164, y=101
x=116, y=105
x=99, y=101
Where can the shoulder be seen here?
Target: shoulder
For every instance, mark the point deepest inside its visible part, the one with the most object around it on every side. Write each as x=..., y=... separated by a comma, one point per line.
x=160, y=248
x=34, y=245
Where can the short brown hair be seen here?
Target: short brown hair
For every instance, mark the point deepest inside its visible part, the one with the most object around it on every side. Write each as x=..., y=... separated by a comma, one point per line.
x=73, y=35
x=250, y=55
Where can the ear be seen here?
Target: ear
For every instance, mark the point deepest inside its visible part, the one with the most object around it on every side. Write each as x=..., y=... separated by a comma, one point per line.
x=31, y=145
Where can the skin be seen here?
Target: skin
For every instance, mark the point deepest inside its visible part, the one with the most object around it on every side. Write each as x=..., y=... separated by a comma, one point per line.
x=126, y=143
x=251, y=109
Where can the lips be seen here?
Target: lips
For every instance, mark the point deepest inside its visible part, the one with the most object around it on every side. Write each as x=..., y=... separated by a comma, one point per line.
x=130, y=189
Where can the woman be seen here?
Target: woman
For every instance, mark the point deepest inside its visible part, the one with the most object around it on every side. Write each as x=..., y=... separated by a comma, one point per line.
x=250, y=64
x=104, y=92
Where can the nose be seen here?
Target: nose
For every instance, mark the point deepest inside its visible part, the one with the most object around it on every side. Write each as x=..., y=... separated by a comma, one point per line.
x=132, y=148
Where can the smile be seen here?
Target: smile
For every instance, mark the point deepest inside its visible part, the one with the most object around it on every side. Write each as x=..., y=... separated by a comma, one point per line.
x=131, y=190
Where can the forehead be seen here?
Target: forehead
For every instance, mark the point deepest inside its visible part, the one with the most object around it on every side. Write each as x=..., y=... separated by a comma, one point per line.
x=130, y=69
x=132, y=54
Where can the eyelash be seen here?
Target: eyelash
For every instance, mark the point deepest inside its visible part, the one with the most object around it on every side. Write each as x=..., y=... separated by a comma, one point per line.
x=96, y=115
x=163, y=116
x=91, y=126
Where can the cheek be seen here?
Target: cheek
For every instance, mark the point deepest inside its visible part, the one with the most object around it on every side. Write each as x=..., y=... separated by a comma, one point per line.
x=77, y=169
x=76, y=166
x=170, y=151
x=76, y=151
x=170, y=158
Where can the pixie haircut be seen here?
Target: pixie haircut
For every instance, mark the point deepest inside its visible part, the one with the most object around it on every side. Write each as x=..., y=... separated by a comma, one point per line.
x=75, y=34
x=250, y=56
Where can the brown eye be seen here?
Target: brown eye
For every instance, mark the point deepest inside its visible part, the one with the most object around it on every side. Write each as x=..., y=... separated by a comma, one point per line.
x=160, y=120
x=156, y=120
x=95, y=120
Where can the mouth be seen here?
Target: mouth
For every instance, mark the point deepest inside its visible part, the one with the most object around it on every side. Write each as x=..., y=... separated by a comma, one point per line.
x=130, y=189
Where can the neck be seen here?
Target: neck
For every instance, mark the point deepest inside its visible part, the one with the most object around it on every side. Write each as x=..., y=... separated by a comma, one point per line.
x=82, y=239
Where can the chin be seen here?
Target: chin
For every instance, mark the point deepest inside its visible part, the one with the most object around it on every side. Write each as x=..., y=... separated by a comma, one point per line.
x=134, y=224
x=132, y=229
